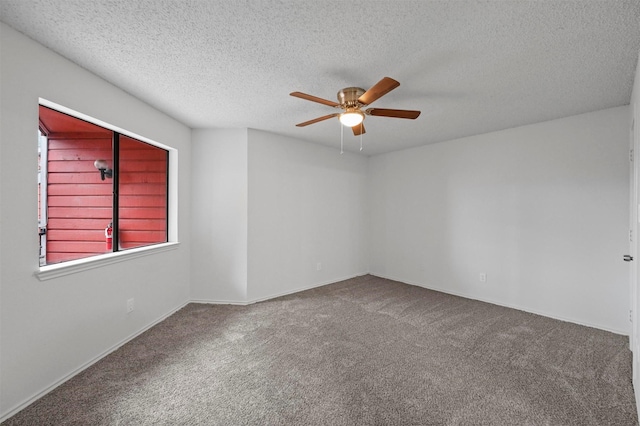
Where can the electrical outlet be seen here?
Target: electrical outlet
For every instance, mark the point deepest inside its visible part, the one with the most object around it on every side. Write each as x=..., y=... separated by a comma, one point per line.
x=129, y=306
x=483, y=277
x=319, y=266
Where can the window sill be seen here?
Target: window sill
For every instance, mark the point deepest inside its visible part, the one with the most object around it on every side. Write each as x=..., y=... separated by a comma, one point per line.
x=73, y=266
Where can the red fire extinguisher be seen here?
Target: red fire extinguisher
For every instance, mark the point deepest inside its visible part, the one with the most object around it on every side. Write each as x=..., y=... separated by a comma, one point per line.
x=108, y=235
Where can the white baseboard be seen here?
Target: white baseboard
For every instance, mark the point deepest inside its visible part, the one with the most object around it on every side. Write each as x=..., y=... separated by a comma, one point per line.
x=508, y=305
x=276, y=295
x=86, y=365
x=219, y=302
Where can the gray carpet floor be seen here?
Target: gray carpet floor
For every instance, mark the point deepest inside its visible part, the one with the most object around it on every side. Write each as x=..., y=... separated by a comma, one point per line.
x=365, y=351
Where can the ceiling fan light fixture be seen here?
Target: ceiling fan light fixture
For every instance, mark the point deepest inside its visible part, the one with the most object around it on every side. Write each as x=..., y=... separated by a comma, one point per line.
x=351, y=118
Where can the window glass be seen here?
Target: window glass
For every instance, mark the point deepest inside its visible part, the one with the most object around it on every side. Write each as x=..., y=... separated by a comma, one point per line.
x=79, y=214
x=143, y=193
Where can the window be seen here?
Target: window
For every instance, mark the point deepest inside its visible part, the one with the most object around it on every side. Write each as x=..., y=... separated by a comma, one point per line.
x=99, y=190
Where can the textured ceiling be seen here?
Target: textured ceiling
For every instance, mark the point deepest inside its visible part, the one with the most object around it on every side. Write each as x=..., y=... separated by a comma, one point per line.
x=471, y=66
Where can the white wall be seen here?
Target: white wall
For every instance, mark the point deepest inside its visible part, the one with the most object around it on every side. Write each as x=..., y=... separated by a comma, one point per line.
x=541, y=209
x=219, y=215
x=267, y=209
x=50, y=329
x=307, y=205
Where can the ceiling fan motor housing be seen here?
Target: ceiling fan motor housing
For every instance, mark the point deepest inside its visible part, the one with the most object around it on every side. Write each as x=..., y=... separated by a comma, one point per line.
x=348, y=97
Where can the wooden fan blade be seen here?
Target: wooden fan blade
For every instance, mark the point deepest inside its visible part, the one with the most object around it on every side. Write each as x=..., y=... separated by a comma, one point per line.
x=314, y=99
x=396, y=113
x=378, y=90
x=315, y=120
x=358, y=129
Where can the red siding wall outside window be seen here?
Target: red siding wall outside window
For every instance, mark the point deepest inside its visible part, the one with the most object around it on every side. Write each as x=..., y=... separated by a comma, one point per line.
x=80, y=203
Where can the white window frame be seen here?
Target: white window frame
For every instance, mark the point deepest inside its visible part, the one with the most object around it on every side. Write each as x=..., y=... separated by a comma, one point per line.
x=56, y=270
x=43, y=151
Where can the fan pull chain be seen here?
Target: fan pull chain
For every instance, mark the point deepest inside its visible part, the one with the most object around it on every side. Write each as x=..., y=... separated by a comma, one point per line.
x=341, y=139
x=360, y=136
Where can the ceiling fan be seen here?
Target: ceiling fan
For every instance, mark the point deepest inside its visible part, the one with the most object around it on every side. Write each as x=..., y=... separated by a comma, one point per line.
x=352, y=99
